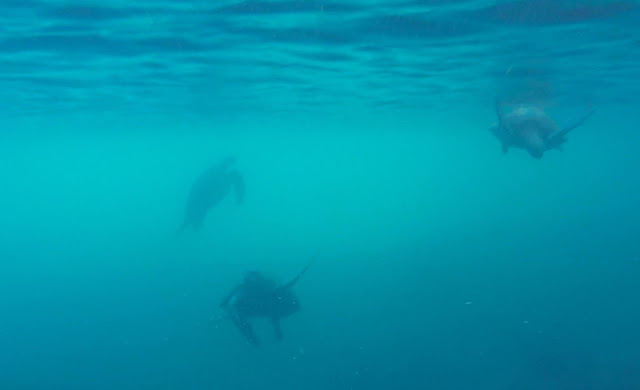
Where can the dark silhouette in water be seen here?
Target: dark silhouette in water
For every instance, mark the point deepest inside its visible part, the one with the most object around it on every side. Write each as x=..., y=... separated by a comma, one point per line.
x=260, y=297
x=528, y=127
x=209, y=189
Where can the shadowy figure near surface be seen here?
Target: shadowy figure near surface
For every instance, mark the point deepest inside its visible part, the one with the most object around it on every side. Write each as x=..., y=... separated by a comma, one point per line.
x=211, y=187
x=260, y=297
x=530, y=128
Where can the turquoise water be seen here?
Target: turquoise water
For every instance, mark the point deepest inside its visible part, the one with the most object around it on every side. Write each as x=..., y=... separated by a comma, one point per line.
x=361, y=131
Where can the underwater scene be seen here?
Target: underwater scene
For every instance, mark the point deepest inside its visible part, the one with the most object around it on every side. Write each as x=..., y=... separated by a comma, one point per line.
x=316, y=194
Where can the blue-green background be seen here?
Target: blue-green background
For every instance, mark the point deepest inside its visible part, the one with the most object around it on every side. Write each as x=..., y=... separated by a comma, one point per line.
x=361, y=130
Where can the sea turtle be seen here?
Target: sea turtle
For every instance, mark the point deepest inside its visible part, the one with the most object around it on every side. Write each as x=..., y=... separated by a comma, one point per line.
x=260, y=297
x=530, y=128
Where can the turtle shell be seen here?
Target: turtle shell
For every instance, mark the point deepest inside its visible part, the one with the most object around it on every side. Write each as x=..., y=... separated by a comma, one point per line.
x=525, y=119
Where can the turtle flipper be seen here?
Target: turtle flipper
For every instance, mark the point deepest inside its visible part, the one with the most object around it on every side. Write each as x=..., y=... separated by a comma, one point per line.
x=535, y=144
x=277, y=328
x=244, y=327
x=297, y=277
x=557, y=138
